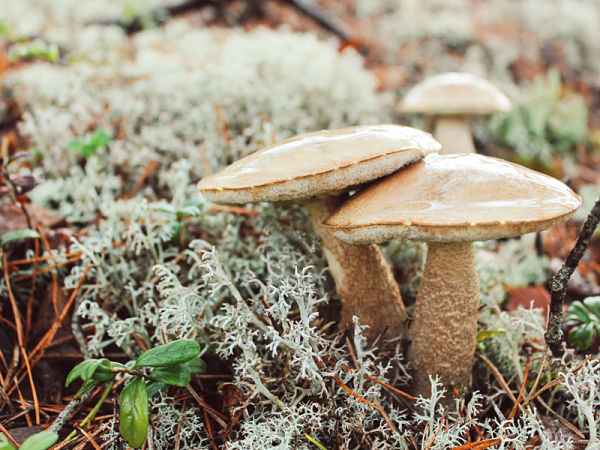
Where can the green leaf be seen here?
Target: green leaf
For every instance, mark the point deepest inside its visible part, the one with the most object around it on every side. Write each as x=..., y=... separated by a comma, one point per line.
x=169, y=354
x=593, y=305
x=486, y=334
x=578, y=311
x=40, y=441
x=88, y=371
x=134, y=412
x=582, y=336
x=196, y=365
x=186, y=211
x=76, y=371
x=4, y=443
x=98, y=139
x=86, y=386
x=16, y=235
x=177, y=375
x=117, y=365
x=155, y=387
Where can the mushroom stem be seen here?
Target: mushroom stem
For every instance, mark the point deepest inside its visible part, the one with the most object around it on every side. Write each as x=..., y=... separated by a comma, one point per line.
x=454, y=134
x=363, y=279
x=444, y=328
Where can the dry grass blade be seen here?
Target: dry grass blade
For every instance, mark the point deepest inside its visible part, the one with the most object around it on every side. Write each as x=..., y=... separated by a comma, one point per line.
x=88, y=437
x=498, y=376
x=8, y=436
x=234, y=210
x=216, y=415
x=21, y=339
x=479, y=444
x=554, y=382
x=150, y=168
x=513, y=412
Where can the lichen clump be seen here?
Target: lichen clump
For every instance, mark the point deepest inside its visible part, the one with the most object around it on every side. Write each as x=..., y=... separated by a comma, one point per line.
x=251, y=285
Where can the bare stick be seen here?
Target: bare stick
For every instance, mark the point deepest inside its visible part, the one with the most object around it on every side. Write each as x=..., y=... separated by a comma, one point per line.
x=324, y=21
x=558, y=283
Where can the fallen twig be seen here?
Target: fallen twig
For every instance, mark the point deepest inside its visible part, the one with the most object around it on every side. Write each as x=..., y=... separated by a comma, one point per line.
x=558, y=283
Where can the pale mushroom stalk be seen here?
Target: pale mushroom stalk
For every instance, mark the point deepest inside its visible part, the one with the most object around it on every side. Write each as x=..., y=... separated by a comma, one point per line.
x=449, y=294
x=363, y=279
x=454, y=134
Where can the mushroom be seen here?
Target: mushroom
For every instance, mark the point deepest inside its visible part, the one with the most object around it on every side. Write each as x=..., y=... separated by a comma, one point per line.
x=315, y=169
x=452, y=98
x=449, y=201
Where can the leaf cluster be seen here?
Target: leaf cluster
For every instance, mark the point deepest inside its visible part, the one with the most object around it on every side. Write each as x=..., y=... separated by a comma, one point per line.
x=586, y=315
x=548, y=120
x=170, y=364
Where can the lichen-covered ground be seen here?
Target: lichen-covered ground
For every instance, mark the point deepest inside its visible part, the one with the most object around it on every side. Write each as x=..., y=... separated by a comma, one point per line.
x=121, y=127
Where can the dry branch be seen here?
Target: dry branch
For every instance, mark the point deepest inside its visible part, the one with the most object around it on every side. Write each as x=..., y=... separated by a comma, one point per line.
x=558, y=283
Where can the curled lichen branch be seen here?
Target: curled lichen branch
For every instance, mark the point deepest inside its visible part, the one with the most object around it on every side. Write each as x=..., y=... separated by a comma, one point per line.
x=558, y=283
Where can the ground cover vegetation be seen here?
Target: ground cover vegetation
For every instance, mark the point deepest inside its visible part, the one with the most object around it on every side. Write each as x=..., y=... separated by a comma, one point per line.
x=110, y=255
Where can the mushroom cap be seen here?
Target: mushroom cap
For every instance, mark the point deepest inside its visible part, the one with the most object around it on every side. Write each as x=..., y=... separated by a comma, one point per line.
x=454, y=198
x=318, y=163
x=455, y=93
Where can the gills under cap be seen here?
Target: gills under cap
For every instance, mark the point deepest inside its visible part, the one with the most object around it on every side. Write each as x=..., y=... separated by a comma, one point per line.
x=455, y=93
x=454, y=198
x=318, y=163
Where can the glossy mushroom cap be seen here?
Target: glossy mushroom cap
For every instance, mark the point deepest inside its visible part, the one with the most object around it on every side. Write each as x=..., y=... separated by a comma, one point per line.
x=455, y=93
x=318, y=163
x=454, y=198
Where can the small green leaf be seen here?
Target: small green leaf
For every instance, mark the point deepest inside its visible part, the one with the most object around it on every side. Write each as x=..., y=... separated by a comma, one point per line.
x=186, y=211
x=4, y=443
x=582, y=336
x=88, y=371
x=76, y=371
x=593, y=305
x=117, y=365
x=177, y=375
x=486, y=334
x=196, y=365
x=86, y=386
x=98, y=139
x=40, y=441
x=134, y=415
x=16, y=235
x=579, y=311
x=169, y=354
x=155, y=387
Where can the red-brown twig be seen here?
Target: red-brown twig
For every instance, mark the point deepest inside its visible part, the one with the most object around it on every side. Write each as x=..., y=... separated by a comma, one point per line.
x=516, y=406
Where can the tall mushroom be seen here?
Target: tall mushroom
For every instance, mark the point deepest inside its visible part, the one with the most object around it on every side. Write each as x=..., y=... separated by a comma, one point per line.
x=453, y=98
x=315, y=169
x=449, y=201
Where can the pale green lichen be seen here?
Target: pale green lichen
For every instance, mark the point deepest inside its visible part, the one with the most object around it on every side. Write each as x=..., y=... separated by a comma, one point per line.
x=252, y=289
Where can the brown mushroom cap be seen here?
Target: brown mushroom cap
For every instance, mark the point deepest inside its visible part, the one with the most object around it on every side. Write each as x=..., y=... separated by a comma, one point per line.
x=455, y=93
x=455, y=198
x=317, y=163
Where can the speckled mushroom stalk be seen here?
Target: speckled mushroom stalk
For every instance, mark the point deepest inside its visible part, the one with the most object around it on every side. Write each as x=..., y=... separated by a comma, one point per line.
x=452, y=98
x=316, y=169
x=449, y=292
x=363, y=279
x=449, y=201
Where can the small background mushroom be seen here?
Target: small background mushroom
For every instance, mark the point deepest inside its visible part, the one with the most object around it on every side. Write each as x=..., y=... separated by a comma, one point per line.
x=452, y=98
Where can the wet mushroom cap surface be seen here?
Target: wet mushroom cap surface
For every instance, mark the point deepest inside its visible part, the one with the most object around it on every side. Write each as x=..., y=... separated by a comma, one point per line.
x=454, y=198
x=455, y=93
x=317, y=163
